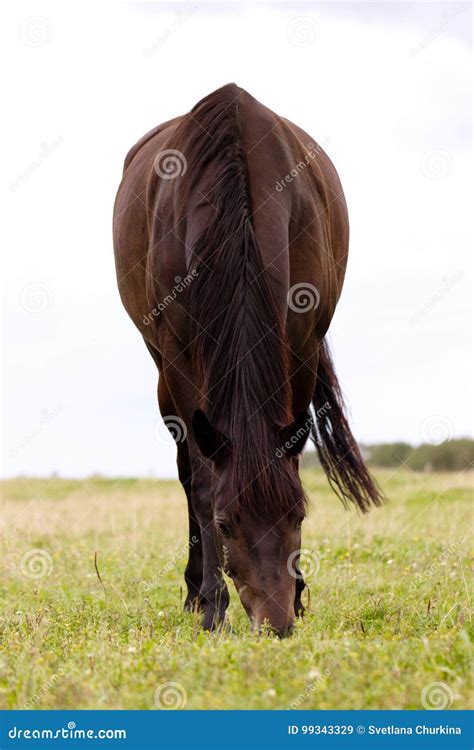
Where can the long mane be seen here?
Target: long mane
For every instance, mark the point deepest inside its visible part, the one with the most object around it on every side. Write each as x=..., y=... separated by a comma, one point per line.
x=237, y=330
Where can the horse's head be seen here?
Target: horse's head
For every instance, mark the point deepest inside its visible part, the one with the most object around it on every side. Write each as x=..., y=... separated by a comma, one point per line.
x=257, y=518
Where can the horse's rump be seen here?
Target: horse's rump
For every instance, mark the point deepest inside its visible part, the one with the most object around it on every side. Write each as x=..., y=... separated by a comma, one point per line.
x=256, y=211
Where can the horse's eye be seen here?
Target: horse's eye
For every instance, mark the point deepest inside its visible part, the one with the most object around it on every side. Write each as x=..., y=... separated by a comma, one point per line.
x=299, y=524
x=224, y=529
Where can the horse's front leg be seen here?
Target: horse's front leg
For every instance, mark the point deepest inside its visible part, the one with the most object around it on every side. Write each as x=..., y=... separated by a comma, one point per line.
x=203, y=569
x=193, y=572
x=194, y=566
x=300, y=585
x=213, y=594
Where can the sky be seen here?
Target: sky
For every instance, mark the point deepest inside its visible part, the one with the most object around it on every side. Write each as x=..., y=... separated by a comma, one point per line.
x=384, y=87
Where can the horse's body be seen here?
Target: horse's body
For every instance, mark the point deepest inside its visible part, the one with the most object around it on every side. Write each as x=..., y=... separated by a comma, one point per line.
x=231, y=240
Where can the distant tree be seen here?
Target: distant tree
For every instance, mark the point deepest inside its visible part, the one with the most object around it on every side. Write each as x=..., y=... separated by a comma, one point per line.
x=388, y=455
x=453, y=455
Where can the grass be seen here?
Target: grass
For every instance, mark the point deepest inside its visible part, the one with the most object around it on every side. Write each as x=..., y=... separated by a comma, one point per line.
x=388, y=610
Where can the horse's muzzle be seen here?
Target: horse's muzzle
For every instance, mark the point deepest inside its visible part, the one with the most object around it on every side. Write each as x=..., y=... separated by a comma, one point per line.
x=276, y=618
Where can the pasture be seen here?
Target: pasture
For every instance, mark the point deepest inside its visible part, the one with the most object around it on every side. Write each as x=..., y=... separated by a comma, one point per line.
x=388, y=611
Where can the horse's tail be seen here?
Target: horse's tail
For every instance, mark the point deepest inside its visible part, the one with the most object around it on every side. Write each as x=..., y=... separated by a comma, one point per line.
x=337, y=449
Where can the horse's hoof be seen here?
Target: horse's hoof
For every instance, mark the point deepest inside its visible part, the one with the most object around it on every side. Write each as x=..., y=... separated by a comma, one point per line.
x=213, y=622
x=191, y=604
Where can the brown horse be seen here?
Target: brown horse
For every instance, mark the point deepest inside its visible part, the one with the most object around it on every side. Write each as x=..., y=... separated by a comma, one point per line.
x=231, y=240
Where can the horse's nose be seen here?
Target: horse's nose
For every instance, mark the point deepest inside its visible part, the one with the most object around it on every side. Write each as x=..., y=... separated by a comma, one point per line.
x=285, y=631
x=275, y=619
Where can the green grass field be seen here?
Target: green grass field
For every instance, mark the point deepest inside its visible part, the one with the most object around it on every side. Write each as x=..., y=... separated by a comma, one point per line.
x=388, y=608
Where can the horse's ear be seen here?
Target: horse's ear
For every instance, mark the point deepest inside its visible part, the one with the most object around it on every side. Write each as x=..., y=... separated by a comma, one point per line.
x=293, y=437
x=212, y=443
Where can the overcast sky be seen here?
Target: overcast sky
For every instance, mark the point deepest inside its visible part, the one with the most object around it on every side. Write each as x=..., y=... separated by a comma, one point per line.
x=386, y=89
